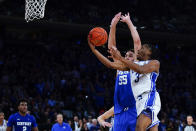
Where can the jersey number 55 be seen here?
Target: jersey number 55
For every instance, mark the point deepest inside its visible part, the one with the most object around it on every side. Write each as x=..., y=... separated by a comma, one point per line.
x=122, y=80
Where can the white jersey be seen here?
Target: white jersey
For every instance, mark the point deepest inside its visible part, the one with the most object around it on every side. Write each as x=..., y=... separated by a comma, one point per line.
x=143, y=83
x=145, y=94
x=4, y=126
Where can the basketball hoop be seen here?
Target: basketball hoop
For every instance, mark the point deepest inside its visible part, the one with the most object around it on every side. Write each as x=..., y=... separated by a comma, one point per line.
x=34, y=9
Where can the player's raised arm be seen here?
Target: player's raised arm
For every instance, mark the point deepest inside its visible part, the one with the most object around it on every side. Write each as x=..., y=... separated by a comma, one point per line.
x=152, y=66
x=114, y=65
x=136, y=38
x=101, y=119
x=112, y=34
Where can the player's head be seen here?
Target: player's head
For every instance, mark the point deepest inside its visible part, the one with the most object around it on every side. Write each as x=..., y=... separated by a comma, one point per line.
x=59, y=118
x=22, y=106
x=129, y=55
x=1, y=116
x=189, y=119
x=147, y=52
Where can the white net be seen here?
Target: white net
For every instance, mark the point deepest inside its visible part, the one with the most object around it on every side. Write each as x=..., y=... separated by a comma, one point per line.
x=34, y=9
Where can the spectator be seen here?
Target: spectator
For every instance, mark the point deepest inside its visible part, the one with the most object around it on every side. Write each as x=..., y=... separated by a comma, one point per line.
x=85, y=128
x=162, y=125
x=190, y=126
x=77, y=125
x=60, y=125
x=89, y=123
x=94, y=126
x=170, y=126
x=3, y=122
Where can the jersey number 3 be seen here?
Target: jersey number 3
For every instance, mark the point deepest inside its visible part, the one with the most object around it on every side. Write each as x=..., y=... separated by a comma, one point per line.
x=138, y=77
x=122, y=80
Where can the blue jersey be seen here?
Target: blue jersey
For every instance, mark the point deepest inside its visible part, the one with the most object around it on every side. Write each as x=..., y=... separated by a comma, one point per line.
x=123, y=95
x=63, y=127
x=21, y=123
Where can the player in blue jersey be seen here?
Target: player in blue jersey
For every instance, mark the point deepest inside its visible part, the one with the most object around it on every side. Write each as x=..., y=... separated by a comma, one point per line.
x=21, y=121
x=124, y=102
x=129, y=55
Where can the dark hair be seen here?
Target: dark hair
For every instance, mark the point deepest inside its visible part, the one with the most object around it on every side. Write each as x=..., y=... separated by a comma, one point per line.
x=154, y=51
x=132, y=50
x=22, y=100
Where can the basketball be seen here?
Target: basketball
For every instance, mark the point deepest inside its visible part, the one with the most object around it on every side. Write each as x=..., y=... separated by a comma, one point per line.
x=98, y=36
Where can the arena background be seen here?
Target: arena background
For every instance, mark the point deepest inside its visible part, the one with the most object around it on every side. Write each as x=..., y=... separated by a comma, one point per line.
x=49, y=62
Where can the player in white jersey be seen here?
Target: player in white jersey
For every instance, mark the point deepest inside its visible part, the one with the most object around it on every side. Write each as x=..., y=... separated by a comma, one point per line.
x=143, y=77
x=3, y=122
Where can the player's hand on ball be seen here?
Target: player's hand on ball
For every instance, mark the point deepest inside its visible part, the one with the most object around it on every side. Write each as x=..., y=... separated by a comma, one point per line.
x=116, y=19
x=106, y=124
x=125, y=18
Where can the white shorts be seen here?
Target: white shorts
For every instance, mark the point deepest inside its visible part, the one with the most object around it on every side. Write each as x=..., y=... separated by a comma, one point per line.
x=150, y=100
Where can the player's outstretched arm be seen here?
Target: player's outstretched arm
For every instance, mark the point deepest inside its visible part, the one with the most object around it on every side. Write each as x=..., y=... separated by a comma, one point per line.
x=152, y=66
x=112, y=34
x=101, y=119
x=114, y=65
x=136, y=38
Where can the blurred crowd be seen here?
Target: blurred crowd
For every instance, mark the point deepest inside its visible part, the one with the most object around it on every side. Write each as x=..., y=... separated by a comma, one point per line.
x=156, y=15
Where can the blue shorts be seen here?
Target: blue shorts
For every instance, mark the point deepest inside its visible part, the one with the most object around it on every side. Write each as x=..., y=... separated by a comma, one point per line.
x=126, y=120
